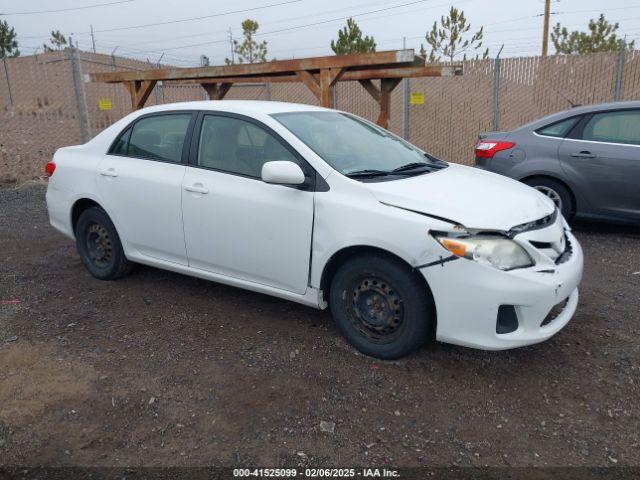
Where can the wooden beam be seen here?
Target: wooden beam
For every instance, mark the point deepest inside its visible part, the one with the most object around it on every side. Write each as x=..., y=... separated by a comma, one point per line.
x=335, y=74
x=310, y=81
x=392, y=57
x=371, y=89
x=346, y=75
x=386, y=87
x=217, y=91
x=402, y=72
x=139, y=91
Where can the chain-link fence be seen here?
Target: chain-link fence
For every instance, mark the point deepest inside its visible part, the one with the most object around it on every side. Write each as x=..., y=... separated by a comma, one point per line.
x=46, y=104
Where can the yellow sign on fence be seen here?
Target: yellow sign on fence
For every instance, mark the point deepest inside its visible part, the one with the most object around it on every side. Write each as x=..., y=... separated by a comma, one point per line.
x=105, y=104
x=416, y=99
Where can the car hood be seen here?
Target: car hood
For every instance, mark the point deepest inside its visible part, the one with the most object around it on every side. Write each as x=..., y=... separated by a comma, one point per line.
x=471, y=197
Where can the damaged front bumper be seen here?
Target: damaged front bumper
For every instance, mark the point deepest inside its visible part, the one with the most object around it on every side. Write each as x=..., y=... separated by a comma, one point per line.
x=482, y=307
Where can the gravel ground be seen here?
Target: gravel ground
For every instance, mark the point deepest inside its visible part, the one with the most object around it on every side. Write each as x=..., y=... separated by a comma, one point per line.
x=159, y=369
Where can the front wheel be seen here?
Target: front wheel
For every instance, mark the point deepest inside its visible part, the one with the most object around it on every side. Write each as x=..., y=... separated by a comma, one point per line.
x=99, y=245
x=381, y=306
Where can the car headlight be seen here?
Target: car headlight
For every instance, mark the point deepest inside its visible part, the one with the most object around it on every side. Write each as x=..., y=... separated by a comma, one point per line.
x=498, y=252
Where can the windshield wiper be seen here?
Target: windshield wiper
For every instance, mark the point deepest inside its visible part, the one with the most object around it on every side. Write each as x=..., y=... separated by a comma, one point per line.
x=418, y=165
x=412, y=166
x=368, y=172
x=405, y=170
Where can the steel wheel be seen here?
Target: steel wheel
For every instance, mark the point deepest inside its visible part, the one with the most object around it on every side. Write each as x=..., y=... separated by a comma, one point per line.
x=375, y=309
x=99, y=245
x=551, y=193
x=381, y=305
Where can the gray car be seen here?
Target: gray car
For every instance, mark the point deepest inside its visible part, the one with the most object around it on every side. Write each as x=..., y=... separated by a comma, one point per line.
x=587, y=159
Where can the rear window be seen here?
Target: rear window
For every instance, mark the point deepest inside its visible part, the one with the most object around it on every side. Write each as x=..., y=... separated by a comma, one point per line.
x=559, y=129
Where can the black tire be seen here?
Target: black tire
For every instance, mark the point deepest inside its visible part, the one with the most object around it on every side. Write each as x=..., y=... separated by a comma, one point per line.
x=552, y=188
x=99, y=245
x=385, y=333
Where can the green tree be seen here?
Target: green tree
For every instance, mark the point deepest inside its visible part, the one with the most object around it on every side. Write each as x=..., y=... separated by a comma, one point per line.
x=57, y=40
x=8, y=42
x=601, y=37
x=448, y=40
x=350, y=40
x=249, y=51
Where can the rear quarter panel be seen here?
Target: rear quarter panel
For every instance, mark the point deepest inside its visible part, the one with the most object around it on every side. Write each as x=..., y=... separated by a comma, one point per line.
x=532, y=155
x=73, y=179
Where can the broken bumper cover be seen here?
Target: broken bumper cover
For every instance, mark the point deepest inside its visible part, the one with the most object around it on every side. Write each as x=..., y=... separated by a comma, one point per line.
x=468, y=295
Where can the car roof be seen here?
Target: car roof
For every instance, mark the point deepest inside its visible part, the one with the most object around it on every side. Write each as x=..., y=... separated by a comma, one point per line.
x=579, y=111
x=238, y=106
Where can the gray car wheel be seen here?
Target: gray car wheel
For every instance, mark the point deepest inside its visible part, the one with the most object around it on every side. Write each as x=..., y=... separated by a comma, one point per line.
x=556, y=191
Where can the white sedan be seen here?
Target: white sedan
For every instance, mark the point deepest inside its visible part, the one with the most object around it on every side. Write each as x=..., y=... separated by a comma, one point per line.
x=322, y=208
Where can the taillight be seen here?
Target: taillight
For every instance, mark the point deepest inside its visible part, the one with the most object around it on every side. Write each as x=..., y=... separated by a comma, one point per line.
x=488, y=148
x=49, y=168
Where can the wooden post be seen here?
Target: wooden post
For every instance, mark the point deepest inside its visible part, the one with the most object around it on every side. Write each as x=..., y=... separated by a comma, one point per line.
x=217, y=91
x=545, y=28
x=328, y=78
x=386, y=87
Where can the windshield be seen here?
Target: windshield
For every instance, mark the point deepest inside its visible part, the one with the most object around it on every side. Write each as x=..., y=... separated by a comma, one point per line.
x=355, y=147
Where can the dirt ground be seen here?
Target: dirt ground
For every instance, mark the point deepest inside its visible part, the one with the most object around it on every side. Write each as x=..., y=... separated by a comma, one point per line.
x=159, y=369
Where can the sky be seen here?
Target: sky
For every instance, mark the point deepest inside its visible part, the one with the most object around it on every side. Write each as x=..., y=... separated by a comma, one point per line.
x=292, y=28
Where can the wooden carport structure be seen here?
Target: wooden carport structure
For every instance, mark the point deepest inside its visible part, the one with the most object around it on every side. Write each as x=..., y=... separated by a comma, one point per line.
x=319, y=74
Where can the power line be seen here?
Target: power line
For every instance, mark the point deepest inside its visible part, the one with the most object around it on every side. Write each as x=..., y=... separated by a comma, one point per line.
x=169, y=22
x=173, y=37
x=303, y=26
x=361, y=14
x=69, y=9
x=221, y=14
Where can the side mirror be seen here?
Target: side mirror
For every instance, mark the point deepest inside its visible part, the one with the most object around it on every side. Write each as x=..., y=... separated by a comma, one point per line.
x=282, y=172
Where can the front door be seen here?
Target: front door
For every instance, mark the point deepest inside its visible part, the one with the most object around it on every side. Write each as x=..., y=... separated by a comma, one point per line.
x=140, y=182
x=234, y=223
x=603, y=160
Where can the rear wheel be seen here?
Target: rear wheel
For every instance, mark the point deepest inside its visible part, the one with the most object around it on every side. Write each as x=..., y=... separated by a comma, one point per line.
x=99, y=245
x=556, y=191
x=381, y=306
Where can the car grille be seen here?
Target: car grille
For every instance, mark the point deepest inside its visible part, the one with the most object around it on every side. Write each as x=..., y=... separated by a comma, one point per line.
x=559, y=251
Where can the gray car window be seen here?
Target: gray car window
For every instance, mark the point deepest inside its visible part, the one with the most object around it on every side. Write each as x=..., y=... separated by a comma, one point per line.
x=614, y=127
x=558, y=129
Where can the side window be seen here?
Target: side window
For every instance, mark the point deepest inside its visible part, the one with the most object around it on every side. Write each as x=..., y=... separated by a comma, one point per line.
x=615, y=127
x=558, y=129
x=159, y=137
x=237, y=146
x=122, y=144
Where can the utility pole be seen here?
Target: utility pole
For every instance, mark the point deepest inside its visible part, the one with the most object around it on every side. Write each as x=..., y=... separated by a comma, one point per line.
x=233, y=54
x=405, y=100
x=545, y=30
x=93, y=39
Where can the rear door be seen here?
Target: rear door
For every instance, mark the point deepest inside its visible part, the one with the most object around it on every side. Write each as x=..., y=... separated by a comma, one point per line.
x=140, y=183
x=234, y=223
x=603, y=158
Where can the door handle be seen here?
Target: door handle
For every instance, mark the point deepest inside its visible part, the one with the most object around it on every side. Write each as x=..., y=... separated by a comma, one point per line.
x=109, y=172
x=197, y=188
x=583, y=154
